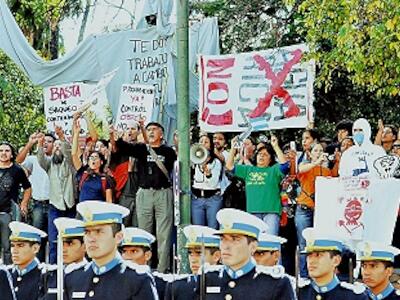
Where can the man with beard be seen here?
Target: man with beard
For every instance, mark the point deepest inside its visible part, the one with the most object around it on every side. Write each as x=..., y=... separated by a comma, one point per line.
x=39, y=181
x=11, y=178
x=62, y=192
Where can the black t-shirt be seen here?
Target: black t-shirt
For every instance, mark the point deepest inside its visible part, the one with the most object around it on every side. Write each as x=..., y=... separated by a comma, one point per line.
x=150, y=175
x=11, y=179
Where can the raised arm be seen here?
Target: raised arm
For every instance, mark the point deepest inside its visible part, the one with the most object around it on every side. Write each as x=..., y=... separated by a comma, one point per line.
x=43, y=160
x=378, y=137
x=230, y=163
x=275, y=145
x=27, y=148
x=76, y=160
x=90, y=126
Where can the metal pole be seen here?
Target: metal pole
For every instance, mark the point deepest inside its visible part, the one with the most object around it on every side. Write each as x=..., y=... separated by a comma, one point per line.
x=60, y=267
x=182, y=32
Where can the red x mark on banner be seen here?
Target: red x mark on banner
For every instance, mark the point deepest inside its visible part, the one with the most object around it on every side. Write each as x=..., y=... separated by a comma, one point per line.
x=276, y=86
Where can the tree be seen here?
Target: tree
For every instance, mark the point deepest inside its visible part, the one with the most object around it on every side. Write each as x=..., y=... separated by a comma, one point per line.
x=39, y=20
x=360, y=38
x=248, y=25
x=21, y=105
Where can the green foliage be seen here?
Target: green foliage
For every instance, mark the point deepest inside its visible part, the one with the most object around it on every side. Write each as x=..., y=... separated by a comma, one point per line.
x=358, y=37
x=39, y=20
x=21, y=104
x=248, y=25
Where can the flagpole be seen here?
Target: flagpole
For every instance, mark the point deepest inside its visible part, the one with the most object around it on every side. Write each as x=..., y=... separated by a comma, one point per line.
x=182, y=7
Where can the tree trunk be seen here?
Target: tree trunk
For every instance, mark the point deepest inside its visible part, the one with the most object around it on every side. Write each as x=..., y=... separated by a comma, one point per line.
x=84, y=20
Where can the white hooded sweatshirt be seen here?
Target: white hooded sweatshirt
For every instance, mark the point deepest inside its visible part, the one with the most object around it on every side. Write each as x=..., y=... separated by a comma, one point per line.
x=359, y=159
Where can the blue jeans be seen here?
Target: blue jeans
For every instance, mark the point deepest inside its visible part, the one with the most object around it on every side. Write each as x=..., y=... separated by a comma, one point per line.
x=55, y=213
x=303, y=219
x=39, y=220
x=5, y=219
x=204, y=210
x=272, y=220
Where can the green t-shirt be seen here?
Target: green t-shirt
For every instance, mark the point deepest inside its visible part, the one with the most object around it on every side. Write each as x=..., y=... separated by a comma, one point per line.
x=262, y=188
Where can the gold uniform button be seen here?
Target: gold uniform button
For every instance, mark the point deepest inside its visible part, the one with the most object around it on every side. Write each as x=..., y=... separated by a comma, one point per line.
x=19, y=278
x=319, y=297
x=228, y=297
x=96, y=279
x=16, y=289
x=91, y=293
x=232, y=284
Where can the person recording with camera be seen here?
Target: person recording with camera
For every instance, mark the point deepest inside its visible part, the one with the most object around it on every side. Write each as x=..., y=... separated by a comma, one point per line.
x=206, y=187
x=307, y=174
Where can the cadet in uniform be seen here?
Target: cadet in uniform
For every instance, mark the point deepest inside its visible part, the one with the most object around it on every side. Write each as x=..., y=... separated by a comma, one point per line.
x=239, y=277
x=268, y=249
x=136, y=247
x=376, y=268
x=323, y=257
x=26, y=271
x=183, y=287
x=107, y=276
x=6, y=286
x=73, y=255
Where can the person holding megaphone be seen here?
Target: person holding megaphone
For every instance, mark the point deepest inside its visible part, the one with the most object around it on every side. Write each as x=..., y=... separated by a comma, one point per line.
x=206, y=186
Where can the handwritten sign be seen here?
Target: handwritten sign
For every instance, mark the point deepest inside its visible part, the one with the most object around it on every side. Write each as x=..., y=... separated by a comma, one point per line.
x=269, y=89
x=136, y=102
x=149, y=64
x=60, y=104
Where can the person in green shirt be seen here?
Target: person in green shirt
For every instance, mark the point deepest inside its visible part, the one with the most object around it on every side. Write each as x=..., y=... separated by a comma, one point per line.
x=262, y=182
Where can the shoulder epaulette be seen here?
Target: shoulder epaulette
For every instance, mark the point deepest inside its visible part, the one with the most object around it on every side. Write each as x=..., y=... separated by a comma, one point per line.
x=9, y=267
x=211, y=268
x=171, y=277
x=165, y=277
x=75, y=266
x=356, y=288
x=48, y=268
x=140, y=269
x=303, y=282
x=274, y=271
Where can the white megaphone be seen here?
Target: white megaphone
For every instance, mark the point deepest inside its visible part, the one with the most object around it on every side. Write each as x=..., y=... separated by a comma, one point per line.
x=198, y=154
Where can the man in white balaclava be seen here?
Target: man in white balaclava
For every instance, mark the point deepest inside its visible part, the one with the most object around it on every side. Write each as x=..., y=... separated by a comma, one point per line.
x=359, y=159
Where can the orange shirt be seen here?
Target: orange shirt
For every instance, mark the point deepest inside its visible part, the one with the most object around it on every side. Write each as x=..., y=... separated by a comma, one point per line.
x=307, y=182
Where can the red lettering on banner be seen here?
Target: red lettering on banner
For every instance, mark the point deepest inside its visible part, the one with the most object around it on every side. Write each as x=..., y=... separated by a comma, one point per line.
x=216, y=86
x=276, y=86
x=219, y=66
x=222, y=65
x=221, y=119
x=64, y=93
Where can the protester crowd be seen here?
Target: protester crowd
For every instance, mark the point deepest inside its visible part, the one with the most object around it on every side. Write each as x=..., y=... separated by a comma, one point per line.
x=258, y=188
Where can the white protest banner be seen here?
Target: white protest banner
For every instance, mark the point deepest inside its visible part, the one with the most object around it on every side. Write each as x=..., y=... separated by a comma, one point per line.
x=135, y=103
x=271, y=89
x=358, y=208
x=61, y=102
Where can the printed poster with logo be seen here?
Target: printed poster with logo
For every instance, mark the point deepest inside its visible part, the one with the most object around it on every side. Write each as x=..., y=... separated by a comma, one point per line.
x=269, y=89
x=357, y=208
x=136, y=101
